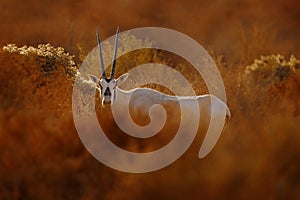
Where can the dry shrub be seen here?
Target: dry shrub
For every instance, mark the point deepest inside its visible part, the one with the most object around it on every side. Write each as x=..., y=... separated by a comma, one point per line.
x=41, y=154
x=271, y=84
x=43, y=158
x=257, y=156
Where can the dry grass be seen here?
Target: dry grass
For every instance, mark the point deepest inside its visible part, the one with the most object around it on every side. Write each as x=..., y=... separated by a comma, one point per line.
x=257, y=156
x=39, y=143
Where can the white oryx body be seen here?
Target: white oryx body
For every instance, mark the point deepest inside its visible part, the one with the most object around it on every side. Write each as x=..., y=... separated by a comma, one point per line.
x=144, y=102
x=148, y=103
x=146, y=97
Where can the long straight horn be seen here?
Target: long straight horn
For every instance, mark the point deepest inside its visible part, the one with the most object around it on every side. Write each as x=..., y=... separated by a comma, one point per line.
x=100, y=52
x=113, y=67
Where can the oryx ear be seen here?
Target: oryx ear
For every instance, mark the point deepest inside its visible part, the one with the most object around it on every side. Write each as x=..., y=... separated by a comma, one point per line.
x=122, y=78
x=94, y=79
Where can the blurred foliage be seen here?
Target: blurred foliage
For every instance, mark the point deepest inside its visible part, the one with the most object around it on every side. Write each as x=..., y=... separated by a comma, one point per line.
x=257, y=156
x=43, y=158
x=276, y=82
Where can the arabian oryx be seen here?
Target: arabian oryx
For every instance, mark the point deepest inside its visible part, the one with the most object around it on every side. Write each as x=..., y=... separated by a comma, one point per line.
x=141, y=100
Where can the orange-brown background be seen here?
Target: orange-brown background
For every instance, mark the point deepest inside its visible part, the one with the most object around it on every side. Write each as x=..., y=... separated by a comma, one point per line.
x=234, y=28
x=41, y=156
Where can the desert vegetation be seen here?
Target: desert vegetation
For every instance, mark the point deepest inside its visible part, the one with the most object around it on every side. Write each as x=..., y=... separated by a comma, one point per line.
x=254, y=45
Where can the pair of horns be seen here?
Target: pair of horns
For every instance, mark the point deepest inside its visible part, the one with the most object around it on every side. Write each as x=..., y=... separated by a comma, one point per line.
x=101, y=56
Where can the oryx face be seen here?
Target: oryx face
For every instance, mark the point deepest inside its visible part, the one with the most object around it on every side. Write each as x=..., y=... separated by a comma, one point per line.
x=106, y=85
x=108, y=90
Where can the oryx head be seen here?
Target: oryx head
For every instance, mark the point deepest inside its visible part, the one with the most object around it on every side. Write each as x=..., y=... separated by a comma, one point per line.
x=108, y=85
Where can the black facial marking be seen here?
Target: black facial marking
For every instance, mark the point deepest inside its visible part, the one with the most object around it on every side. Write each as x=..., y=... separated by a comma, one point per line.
x=107, y=92
x=108, y=80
